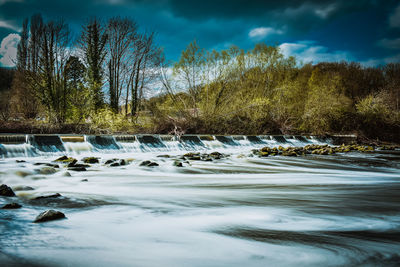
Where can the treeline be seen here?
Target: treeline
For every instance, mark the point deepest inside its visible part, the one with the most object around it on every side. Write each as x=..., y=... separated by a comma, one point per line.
x=260, y=91
x=101, y=78
x=59, y=79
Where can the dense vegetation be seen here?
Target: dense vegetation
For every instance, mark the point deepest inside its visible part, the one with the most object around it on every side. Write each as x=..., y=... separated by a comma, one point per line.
x=99, y=83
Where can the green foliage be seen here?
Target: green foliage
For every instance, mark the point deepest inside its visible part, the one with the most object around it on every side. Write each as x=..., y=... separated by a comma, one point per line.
x=108, y=121
x=326, y=104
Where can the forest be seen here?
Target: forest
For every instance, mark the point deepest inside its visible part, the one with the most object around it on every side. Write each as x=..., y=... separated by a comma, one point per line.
x=114, y=78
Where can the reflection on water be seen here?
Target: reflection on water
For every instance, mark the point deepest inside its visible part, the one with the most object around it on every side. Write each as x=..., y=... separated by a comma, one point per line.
x=240, y=211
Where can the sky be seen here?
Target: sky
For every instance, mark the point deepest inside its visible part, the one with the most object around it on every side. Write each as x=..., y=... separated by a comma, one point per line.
x=313, y=31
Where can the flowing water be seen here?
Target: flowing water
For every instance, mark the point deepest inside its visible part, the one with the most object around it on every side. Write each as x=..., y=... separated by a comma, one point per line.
x=333, y=210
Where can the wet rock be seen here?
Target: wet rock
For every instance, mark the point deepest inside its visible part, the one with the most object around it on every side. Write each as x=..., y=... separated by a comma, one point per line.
x=47, y=164
x=118, y=163
x=56, y=195
x=78, y=165
x=77, y=169
x=191, y=154
x=148, y=163
x=23, y=188
x=6, y=191
x=67, y=174
x=49, y=215
x=216, y=155
x=177, y=163
x=20, y=161
x=47, y=170
x=72, y=163
x=91, y=160
x=22, y=173
x=84, y=180
x=164, y=156
x=65, y=159
x=11, y=206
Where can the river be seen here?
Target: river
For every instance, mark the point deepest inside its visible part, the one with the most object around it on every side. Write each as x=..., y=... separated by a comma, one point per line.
x=241, y=210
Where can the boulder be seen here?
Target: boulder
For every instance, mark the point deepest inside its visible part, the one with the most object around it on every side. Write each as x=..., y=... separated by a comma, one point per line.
x=6, y=191
x=178, y=163
x=118, y=163
x=65, y=159
x=49, y=215
x=148, y=163
x=91, y=160
x=11, y=206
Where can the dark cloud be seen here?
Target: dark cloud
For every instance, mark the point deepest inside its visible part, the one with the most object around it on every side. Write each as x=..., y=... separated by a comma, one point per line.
x=351, y=26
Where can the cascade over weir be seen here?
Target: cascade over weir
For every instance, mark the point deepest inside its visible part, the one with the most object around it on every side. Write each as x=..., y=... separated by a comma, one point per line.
x=16, y=145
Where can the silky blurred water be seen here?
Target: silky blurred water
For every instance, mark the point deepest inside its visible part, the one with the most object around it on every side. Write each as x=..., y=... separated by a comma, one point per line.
x=336, y=210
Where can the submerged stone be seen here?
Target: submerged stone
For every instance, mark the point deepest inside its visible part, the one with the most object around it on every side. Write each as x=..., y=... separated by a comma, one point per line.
x=47, y=170
x=11, y=206
x=56, y=195
x=49, y=215
x=23, y=188
x=22, y=173
x=6, y=191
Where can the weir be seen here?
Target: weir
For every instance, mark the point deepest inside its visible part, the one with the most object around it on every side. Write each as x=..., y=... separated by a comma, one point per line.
x=103, y=141
x=46, y=143
x=38, y=145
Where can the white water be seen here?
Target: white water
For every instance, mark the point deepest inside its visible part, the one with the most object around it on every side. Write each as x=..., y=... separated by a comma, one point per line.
x=333, y=210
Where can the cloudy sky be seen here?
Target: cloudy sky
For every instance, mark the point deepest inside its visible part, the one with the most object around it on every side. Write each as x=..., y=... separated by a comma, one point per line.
x=364, y=31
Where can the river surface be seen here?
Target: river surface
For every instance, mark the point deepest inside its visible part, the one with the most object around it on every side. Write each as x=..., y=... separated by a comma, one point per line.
x=332, y=210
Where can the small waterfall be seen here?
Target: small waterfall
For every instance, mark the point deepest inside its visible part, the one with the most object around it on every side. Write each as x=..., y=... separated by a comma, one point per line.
x=40, y=145
x=226, y=140
x=46, y=143
x=103, y=142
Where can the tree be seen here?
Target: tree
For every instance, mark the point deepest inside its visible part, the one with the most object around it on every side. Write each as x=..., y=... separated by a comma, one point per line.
x=188, y=70
x=93, y=44
x=146, y=62
x=121, y=34
x=52, y=44
x=79, y=97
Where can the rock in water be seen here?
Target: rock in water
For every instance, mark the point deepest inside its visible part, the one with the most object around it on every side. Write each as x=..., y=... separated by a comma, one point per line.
x=48, y=196
x=148, y=163
x=11, y=206
x=6, y=191
x=47, y=170
x=91, y=160
x=23, y=188
x=49, y=215
x=178, y=164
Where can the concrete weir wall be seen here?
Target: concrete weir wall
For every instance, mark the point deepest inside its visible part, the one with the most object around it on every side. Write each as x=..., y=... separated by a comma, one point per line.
x=110, y=140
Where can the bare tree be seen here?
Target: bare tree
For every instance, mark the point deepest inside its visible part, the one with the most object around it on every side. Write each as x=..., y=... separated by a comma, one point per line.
x=121, y=34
